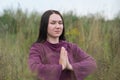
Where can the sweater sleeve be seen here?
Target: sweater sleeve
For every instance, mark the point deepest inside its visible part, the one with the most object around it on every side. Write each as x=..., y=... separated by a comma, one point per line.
x=43, y=71
x=83, y=65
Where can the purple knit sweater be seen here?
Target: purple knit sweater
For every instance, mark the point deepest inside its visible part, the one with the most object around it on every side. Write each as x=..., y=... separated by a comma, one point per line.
x=44, y=60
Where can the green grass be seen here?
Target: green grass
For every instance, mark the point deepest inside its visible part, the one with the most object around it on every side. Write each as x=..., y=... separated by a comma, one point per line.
x=97, y=36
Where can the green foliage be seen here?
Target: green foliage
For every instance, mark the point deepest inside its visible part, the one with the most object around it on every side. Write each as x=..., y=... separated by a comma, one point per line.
x=97, y=36
x=8, y=22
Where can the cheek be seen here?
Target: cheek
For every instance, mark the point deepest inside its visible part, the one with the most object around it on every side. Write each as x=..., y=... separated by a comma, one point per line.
x=50, y=29
x=61, y=27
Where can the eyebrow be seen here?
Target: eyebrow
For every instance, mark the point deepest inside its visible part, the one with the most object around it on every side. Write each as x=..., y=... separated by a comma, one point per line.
x=56, y=21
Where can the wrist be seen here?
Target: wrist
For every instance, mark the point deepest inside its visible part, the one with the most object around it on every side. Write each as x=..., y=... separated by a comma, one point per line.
x=69, y=67
x=63, y=67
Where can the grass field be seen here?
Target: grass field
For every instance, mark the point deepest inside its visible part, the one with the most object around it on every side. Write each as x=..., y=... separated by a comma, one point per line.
x=98, y=37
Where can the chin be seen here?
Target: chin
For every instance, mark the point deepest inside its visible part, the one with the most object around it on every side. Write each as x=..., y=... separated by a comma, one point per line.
x=57, y=36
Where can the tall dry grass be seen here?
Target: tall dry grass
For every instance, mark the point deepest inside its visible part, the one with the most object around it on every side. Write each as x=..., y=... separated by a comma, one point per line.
x=97, y=36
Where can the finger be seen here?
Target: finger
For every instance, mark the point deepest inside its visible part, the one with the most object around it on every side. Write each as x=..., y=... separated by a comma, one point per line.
x=62, y=50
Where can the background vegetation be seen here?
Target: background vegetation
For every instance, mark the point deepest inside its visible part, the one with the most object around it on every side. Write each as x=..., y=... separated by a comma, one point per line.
x=97, y=36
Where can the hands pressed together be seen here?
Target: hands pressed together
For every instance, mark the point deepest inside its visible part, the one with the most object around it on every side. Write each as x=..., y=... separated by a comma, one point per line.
x=64, y=60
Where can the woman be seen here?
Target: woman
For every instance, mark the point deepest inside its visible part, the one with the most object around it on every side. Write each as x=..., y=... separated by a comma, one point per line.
x=53, y=58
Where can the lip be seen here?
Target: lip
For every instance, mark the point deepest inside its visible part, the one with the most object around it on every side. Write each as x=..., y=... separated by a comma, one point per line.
x=57, y=31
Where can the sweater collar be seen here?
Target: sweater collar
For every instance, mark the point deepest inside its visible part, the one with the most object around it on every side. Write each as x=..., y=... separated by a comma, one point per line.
x=56, y=46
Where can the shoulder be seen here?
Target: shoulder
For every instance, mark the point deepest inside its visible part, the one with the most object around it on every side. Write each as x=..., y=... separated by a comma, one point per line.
x=70, y=44
x=36, y=48
x=36, y=45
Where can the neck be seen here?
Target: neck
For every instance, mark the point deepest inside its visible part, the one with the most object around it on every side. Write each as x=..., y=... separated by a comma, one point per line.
x=53, y=40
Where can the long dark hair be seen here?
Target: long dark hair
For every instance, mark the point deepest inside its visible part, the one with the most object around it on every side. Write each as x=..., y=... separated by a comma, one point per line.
x=44, y=25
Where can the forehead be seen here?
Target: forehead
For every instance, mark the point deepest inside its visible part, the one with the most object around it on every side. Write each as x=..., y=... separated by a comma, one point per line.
x=55, y=17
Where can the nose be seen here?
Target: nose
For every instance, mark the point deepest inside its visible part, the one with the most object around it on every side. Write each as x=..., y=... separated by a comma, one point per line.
x=57, y=25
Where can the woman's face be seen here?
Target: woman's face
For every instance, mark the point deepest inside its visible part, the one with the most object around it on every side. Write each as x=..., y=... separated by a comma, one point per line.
x=55, y=26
